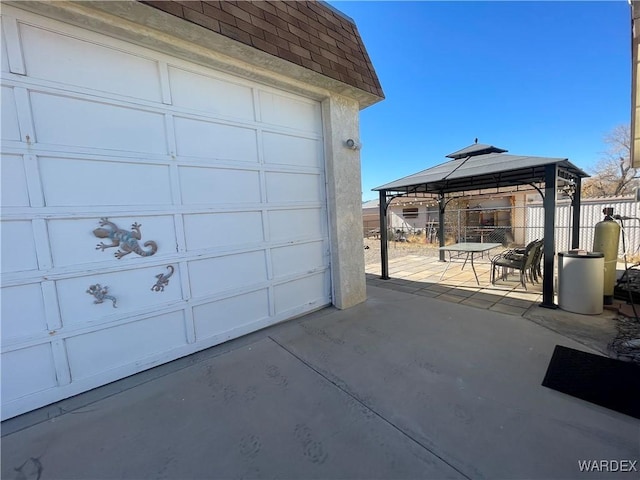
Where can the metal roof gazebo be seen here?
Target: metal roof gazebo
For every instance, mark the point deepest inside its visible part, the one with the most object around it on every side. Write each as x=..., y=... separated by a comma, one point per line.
x=481, y=167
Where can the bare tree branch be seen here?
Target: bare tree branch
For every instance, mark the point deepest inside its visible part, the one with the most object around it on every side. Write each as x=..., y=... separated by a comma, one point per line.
x=613, y=175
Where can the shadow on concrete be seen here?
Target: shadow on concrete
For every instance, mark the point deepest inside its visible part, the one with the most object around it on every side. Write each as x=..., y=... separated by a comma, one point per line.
x=400, y=386
x=594, y=331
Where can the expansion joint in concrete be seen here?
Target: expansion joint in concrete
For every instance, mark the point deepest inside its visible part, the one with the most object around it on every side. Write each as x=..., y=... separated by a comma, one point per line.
x=377, y=414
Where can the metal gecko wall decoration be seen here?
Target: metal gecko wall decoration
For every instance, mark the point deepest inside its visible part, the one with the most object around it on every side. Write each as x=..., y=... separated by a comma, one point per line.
x=126, y=240
x=163, y=280
x=101, y=294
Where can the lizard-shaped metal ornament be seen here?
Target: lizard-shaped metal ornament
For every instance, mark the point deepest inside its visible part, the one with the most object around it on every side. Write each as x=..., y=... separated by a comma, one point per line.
x=163, y=280
x=127, y=241
x=101, y=294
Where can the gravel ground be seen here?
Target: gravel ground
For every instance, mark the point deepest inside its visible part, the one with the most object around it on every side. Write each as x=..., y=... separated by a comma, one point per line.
x=396, y=249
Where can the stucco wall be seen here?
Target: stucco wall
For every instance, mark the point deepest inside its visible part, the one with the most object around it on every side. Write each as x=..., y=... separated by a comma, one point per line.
x=344, y=201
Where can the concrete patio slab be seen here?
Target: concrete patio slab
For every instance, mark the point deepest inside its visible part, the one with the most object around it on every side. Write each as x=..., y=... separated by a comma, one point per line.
x=478, y=302
x=402, y=386
x=451, y=298
x=505, y=296
x=428, y=293
x=465, y=383
x=255, y=412
x=510, y=309
x=460, y=292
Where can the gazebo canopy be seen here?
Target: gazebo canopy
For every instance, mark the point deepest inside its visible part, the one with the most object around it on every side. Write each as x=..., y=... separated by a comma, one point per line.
x=480, y=167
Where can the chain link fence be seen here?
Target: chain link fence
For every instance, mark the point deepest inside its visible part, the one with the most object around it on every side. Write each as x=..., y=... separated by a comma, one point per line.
x=512, y=226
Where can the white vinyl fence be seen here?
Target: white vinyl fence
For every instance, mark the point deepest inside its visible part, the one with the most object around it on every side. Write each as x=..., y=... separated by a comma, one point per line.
x=590, y=215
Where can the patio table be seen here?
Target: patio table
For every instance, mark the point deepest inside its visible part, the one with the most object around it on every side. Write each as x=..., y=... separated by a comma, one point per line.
x=470, y=248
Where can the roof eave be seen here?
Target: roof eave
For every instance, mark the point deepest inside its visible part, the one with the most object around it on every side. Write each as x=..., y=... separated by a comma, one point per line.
x=144, y=25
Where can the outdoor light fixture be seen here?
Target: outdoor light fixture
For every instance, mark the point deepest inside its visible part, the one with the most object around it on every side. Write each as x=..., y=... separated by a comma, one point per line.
x=352, y=144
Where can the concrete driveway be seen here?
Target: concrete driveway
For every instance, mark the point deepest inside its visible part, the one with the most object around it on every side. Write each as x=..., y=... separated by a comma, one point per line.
x=402, y=386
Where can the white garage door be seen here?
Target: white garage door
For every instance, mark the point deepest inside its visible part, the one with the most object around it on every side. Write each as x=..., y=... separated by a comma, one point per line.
x=211, y=186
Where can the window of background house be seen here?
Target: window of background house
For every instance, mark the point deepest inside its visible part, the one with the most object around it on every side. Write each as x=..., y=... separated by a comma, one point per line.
x=411, y=212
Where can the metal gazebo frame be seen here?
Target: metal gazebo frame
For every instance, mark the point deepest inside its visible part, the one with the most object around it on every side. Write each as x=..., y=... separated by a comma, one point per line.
x=479, y=167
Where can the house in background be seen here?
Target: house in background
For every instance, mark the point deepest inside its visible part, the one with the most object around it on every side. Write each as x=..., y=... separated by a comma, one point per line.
x=407, y=215
x=370, y=217
x=479, y=217
x=174, y=175
x=515, y=218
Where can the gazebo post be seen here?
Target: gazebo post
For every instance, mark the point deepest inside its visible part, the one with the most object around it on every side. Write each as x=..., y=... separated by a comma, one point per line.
x=384, y=254
x=550, y=174
x=575, y=211
x=441, y=206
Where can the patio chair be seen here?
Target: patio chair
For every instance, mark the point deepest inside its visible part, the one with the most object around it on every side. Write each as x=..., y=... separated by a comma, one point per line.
x=521, y=260
x=536, y=265
x=535, y=270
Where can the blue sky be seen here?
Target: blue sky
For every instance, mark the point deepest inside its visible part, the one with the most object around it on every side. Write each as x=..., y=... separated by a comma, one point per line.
x=536, y=78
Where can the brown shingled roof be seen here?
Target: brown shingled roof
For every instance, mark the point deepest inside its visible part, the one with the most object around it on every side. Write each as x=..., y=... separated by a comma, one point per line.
x=308, y=33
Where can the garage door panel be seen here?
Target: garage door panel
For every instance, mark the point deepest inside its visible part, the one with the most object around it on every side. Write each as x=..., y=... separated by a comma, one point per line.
x=226, y=175
x=290, y=112
x=296, y=223
x=215, y=141
x=216, y=318
x=294, y=259
x=217, y=186
x=4, y=61
x=13, y=180
x=27, y=371
x=67, y=121
x=54, y=56
x=10, y=129
x=204, y=231
x=74, y=243
x=18, y=246
x=226, y=273
x=104, y=183
x=301, y=294
x=293, y=187
x=130, y=288
x=211, y=95
x=96, y=352
x=22, y=311
x=289, y=150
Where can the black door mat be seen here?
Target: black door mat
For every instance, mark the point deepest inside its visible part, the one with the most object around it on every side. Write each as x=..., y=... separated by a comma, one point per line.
x=610, y=383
